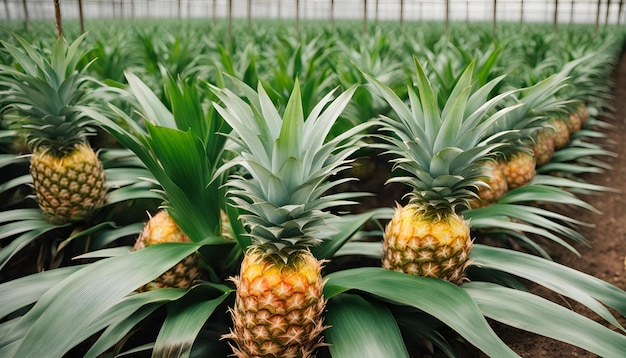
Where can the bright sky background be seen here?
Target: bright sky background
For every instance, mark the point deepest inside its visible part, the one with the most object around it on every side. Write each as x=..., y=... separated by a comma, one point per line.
x=414, y=10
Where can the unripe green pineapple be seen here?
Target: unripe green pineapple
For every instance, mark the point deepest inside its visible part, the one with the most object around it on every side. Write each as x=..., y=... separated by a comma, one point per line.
x=44, y=94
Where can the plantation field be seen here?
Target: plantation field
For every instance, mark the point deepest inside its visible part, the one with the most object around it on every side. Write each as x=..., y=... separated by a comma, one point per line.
x=605, y=258
x=194, y=188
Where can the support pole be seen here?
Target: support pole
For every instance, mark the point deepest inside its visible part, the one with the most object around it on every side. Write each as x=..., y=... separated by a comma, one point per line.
x=556, y=16
x=6, y=9
x=364, y=16
x=250, y=13
x=495, y=19
x=402, y=13
x=26, y=13
x=81, y=17
x=598, y=17
x=298, y=15
x=57, y=18
x=447, y=15
x=332, y=14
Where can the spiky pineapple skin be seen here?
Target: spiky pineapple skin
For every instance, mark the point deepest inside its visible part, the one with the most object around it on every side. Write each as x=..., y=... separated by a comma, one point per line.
x=68, y=188
x=543, y=147
x=419, y=246
x=495, y=189
x=161, y=228
x=574, y=122
x=519, y=169
x=583, y=113
x=279, y=305
x=560, y=133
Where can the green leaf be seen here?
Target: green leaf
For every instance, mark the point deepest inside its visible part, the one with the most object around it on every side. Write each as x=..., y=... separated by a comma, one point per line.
x=566, y=281
x=439, y=298
x=121, y=318
x=347, y=226
x=185, y=318
x=23, y=291
x=52, y=326
x=535, y=314
x=289, y=141
x=359, y=328
x=151, y=106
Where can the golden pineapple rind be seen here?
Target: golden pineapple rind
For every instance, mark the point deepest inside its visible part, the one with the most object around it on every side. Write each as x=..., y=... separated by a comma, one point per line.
x=278, y=307
x=543, y=148
x=519, y=169
x=161, y=228
x=432, y=248
x=70, y=187
x=495, y=189
x=560, y=133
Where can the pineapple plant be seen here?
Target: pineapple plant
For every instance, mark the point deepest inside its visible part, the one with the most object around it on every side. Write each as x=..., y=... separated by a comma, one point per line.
x=159, y=229
x=442, y=151
x=518, y=168
x=543, y=146
x=560, y=132
x=495, y=188
x=279, y=305
x=42, y=94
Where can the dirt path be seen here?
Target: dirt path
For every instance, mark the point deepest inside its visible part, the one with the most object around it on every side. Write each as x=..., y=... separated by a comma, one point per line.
x=606, y=257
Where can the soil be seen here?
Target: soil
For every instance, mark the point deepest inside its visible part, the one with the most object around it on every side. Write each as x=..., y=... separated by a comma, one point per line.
x=605, y=257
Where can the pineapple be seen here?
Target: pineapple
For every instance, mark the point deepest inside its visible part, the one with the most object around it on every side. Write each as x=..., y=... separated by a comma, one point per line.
x=496, y=186
x=279, y=302
x=161, y=228
x=68, y=177
x=543, y=146
x=443, y=153
x=560, y=132
x=518, y=169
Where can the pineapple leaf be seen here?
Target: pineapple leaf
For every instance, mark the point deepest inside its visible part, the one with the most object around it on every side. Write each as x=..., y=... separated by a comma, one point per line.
x=428, y=102
x=362, y=328
x=564, y=280
x=289, y=142
x=90, y=292
x=185, y=318
x=538, y=315
x=441, y=299
x=152, y=107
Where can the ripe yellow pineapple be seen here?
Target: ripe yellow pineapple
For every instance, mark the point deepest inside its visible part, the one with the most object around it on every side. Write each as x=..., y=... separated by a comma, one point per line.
x=419, y=245
x=279, y=302
x=161, y=228
x=495, y=186
x=518, y=169
x=574, y=122
x=560, y=132
x=543, y=146
x=443, y=153
x=44, y=93
x=279, y=305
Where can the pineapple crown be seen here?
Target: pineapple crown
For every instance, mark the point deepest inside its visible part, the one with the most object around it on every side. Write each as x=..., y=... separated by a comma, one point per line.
x=288, y=164
x=440, y=150
x=44, y=92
